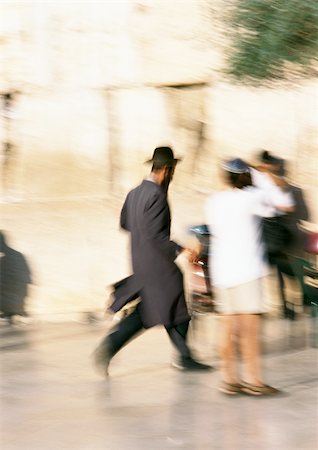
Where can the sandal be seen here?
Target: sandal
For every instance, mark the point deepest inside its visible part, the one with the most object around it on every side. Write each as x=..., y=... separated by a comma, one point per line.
x=230, y=388
x=251, y=389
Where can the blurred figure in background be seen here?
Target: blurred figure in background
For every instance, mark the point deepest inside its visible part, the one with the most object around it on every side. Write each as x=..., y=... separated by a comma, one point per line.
x=266, y=176
x=15, y=278
x=283, y=235
x=270, y=175
x=157, y=280
x=237, y=265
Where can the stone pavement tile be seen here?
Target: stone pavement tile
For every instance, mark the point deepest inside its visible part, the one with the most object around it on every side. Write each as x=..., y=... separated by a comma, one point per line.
x=278, y=334
x=20, y=335
x=53, y=399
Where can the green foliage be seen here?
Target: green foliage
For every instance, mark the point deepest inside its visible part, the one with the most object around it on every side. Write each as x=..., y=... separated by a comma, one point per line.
x=272, y=39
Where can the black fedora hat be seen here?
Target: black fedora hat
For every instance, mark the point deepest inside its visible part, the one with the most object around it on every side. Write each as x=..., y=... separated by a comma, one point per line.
x=269, y=158
x=163, y=155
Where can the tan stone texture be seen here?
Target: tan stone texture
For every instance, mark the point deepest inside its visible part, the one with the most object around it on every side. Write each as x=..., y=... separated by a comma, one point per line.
x=96, y=87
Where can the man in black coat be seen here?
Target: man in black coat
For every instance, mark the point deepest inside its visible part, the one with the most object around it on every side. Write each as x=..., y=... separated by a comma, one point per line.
x=156, y=280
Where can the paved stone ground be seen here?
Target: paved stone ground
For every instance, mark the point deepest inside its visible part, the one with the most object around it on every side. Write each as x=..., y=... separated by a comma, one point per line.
x=53, y=399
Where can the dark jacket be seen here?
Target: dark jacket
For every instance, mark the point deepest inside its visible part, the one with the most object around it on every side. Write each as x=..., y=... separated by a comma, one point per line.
x=15, y=275
x=157, y=280
x=292, y=222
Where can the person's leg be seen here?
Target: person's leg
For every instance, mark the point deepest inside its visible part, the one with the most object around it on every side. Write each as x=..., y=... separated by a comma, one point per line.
x=227, y=349
x=178, y=336
x=284, y=268
x=253, y=383
x=249, y=330
x=127, y=329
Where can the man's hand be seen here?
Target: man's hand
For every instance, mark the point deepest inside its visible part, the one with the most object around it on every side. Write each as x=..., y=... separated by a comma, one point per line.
x=192, y=255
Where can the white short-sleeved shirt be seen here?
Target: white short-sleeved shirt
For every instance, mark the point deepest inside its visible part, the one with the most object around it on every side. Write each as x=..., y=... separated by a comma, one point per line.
x=237, y=252
x=276, y=196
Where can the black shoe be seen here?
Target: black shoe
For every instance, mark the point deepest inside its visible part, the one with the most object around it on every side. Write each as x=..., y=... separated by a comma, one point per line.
x=191, y=365
x=102, y=358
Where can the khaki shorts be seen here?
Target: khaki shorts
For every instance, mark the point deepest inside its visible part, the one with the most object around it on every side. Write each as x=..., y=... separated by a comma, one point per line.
x=245, y=298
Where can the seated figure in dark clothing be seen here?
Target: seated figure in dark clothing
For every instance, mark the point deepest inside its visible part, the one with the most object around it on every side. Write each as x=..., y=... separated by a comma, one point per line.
x=14, y=280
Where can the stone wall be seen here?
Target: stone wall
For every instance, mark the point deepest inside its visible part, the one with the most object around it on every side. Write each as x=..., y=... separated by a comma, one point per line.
x=78, y=143
x=96, y=87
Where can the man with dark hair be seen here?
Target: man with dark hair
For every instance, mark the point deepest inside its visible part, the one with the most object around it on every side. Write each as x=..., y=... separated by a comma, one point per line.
x=156, y=280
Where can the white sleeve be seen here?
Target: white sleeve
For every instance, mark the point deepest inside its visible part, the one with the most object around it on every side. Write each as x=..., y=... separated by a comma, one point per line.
x=260, y=180
x=280, y=198
x=266, y=201
x=260, y=202
x=274, y=195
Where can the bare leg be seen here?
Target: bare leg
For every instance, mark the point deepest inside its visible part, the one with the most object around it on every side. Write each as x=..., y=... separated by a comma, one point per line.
x=249, y=329
x=228, y=349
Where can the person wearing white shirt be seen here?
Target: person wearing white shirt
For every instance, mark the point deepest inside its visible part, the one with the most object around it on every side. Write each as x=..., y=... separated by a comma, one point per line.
x=237, y=266
x=281, y=199
x=281, y=234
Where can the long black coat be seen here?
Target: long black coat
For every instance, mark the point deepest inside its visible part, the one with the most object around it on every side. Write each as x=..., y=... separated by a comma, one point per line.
x=157, y=280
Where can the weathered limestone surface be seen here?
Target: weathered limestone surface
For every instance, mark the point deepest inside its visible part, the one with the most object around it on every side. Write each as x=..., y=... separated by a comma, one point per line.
x=95, y=88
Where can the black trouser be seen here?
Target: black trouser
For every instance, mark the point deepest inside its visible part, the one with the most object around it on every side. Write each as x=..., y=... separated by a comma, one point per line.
x=294, y=267
x=131, y=326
